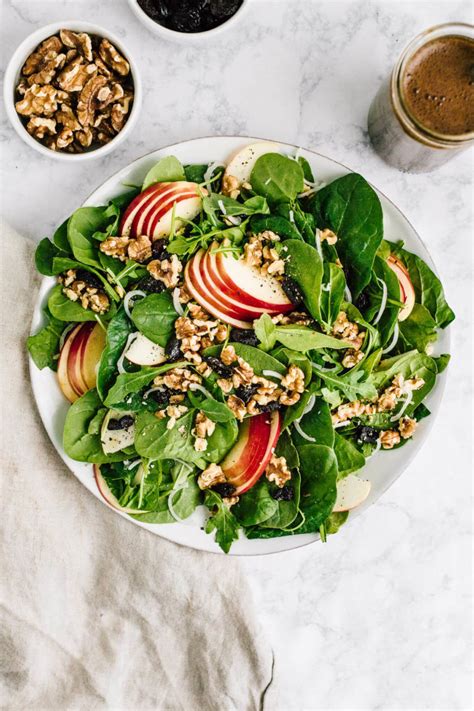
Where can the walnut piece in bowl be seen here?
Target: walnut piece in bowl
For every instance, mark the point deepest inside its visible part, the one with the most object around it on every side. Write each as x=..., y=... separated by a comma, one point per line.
x=71, y=91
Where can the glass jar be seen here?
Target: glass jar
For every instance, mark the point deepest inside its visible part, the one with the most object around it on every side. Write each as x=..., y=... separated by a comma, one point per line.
x=396, y=134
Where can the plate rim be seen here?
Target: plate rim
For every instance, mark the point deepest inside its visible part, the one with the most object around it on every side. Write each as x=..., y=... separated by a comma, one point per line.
x=155, y=528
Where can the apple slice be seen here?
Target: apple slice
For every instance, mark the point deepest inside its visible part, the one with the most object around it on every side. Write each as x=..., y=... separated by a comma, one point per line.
x=351, y=492
x=142, y=351
x=250, y=286
x=91, y=354
x=63, y=377
x=194, y=285
x=75, y=358
x=241, y=163
x=109, y=497
x=407, y=291
x=115, y=440
x=248, y=458
x=140, y=205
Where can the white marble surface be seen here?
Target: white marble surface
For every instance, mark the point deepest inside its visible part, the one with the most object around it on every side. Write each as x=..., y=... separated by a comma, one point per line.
x=379, y=618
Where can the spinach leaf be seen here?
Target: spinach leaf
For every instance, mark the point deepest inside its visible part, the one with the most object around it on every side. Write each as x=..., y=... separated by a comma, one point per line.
x=286, y=448
x=279, y=225
x=215, y=410
x=129, y=383
x=442, y=361
x=259, y=360
x=265, y=330
x=286, y=511
x=63, y=309
x=154, y=316
x=291, y=357
x=419, y=329
x=307, y=172
x=305, y=267
x=318, y=470
x=349, y=459
x=167, y=169
x=316, y=423
x=155, y=441
x=304, y=339
x=332, y=294
x=428, y=289
x=277, y=178
x=409, y=365
x=221, y=520
x=335, y=520
x=118, y=330
x=195, y=173
x=60, y=237
x=124, y=199
x=79, y=442
x=352, y=209
x=220, y=441
x=294, y=412
x=82, y=228
x=386, y=324
x=44, y=345
x=45, y=254
x=256, y=505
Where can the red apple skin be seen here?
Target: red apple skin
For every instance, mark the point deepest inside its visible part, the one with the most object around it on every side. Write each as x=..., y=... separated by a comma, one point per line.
x=195, y=290
x=76, y=356
x=245, y=463
x=154, y=219
x=239, y=292
x=142, y=214
x=91, y=356
x=407, y=290
x=139, y=203
x=107, y=495
x=62, y=373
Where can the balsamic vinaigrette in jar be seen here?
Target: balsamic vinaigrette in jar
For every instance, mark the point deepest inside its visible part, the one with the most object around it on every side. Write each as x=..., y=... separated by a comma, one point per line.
x=190, y=15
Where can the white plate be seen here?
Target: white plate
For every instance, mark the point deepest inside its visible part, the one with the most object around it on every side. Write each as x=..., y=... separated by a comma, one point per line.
x=382, y=470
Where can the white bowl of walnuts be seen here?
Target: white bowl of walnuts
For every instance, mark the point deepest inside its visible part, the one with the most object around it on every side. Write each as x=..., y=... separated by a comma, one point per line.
x=72, y=91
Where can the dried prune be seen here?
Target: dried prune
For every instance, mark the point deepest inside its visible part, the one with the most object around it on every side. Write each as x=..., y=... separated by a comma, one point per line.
x=367, y=435
x=246, y=336
x=223, y=371
x=190, y=15
x=270, y=406
x=160, y=397
x=224, y=8
x=122, y=423
x=158, y=249
x=286, y=493
x=151, y=285
x=292, y=290
x=362, y=301
x=173, y=350
x=224, y=489
x=245, y=392
x=90, y=278
x=186, y=20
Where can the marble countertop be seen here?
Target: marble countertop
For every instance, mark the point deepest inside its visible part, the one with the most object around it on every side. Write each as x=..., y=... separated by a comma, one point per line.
x=379, y=617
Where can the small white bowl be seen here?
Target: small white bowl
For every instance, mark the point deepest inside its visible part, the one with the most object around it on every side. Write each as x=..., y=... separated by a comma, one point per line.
x=12, y=76
x=186, y=37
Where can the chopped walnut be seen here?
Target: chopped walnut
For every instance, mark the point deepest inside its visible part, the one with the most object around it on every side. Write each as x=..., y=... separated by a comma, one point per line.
x=78, y=290
x=113, y=59
x=277, y=471
x=328, y=235
x=108, y=95
x=294, y=379
x=386, y=401
x=75, y=75
x=85, y=137
x=40, y=127
x=178, y=379
x=389, y=439
x=237, y=406
x=139, y=249
x=46, y=51
x=230, y=501
x=65, y=138
x=80, y=41
x=407, y=427
x=294, y=318
x=40, y=100
x=203, y=426
x=212, y=475
x=184, y=327
x=348, y=331
x=115, y=247
x=253, y=251
x=351, y=358
x=230, y=186
x=67, y=118
x=347, y=411
x=166, y=270
x=200, y=444
x=119, y=111
x=228, y=355
x=185, y=297
x=48, y=70
x=225, y=385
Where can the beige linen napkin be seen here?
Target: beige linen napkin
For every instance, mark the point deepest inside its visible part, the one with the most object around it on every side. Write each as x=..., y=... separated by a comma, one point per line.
x=98, y=613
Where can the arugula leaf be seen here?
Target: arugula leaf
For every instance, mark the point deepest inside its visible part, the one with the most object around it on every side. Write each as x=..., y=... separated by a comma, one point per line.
x=221, y=520
x=154, y=316
x=167, y=169
x=216, y=206
x=351, y=208
x=128, y=383
x=305, y=267
x=79, y=442
x=258, y=359
x=352, y=384
x=428, y=288
x=277, y=178
x=410, y=364
x=215, y=410
x=44, y=345
x=118, y=330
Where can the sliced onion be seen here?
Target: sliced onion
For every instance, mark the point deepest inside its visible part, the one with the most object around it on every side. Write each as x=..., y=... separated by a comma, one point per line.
x=291, y=216
x=129, y=297
x=326, y=287
x=297, y=427
x=208, y=174
x=201, y=388
x=272, y=374
x=347, y=294
x=383, y=303
x=317, y=239
x=65, y=334
x=154, y=389
x=309, y=406
x=342, y=424
x=129, y=342
x=320, y=367
x=176, y=302
x=130, y=464
x=234, y=220
x=222, y=207
x=406, y=402
x=267, y=181
x=178, y=487
x=394, y=341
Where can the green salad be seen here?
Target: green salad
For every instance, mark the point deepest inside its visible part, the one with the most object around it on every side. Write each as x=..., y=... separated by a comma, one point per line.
x=239, y=337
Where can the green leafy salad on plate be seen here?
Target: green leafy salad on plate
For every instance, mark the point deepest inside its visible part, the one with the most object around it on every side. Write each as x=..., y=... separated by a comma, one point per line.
x=239, y=337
